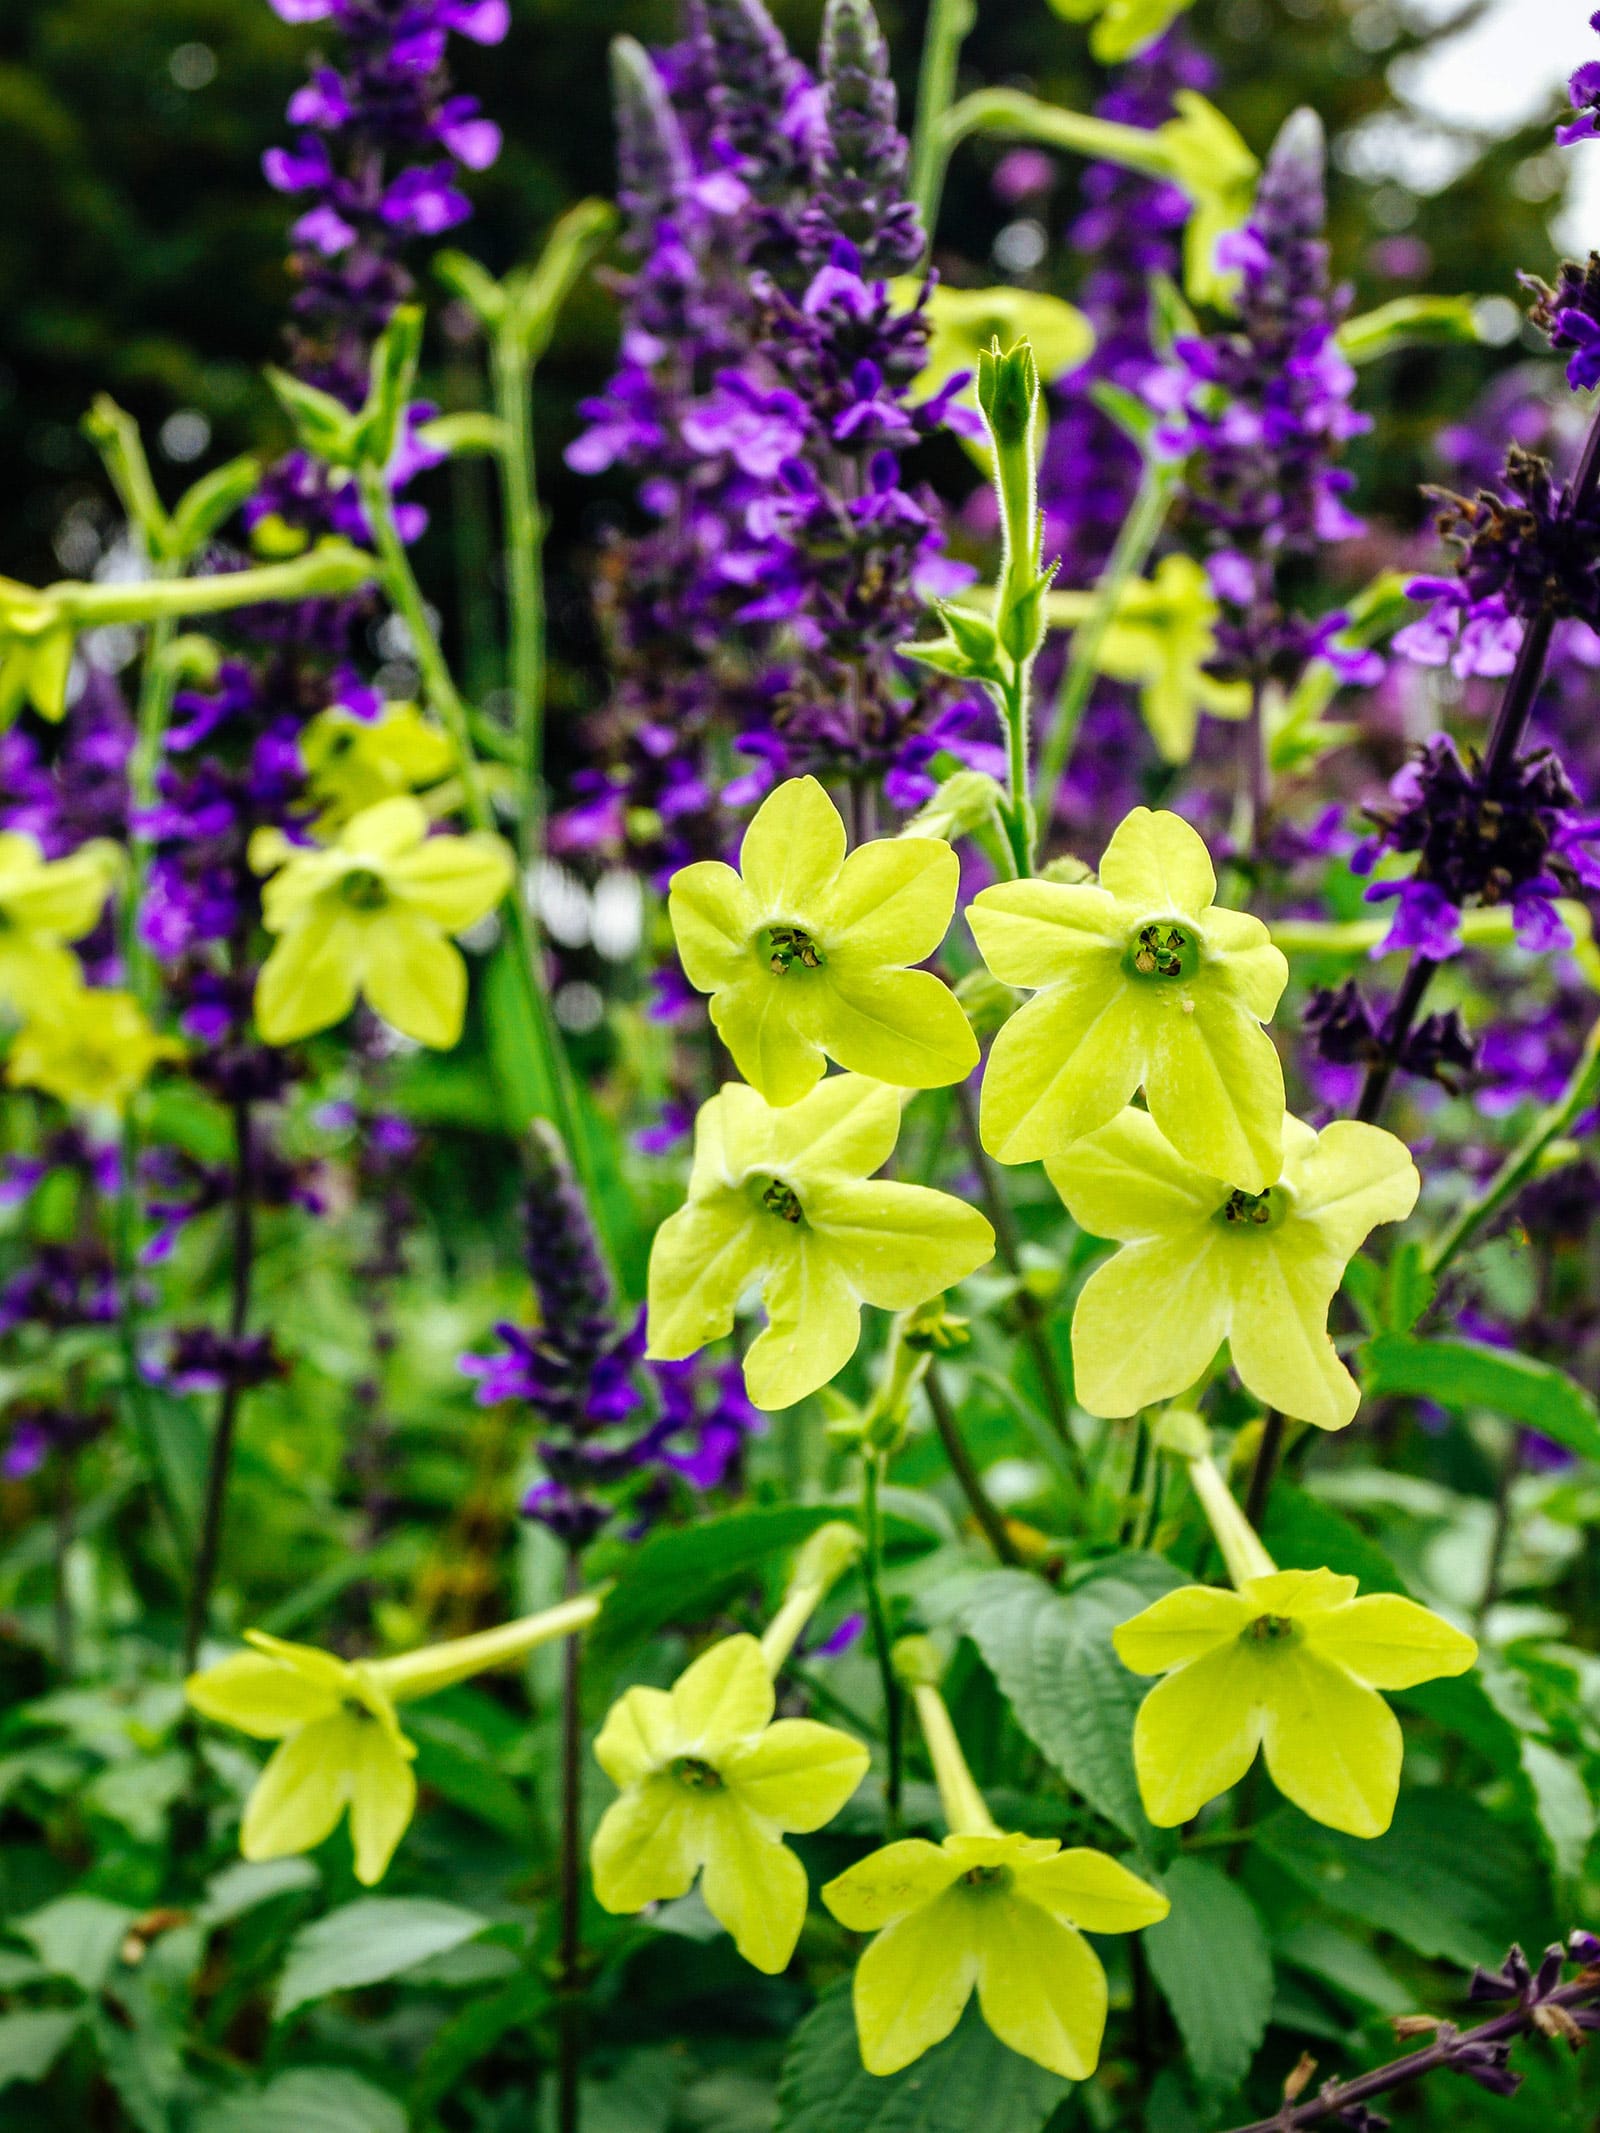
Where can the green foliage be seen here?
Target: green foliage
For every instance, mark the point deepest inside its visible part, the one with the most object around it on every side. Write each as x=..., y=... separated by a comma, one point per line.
x=1212, y=1961
x=365, y=1942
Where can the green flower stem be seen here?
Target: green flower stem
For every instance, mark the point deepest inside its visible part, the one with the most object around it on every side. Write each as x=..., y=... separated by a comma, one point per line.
x=405, y=594
x=986, y=1513
x=1014, y=115
x=965, y=1811
x=1264, y=1472
x=1520, y=1165
x=321, y=573
x=1484, y=927
x=873, y=1463
x=950, y=22
x=1139, y=533
x=439, y=1666
x=1016, y=712
x=831, y=1550
x=1241, y=1547
x=511, y=367
x=570, y=1959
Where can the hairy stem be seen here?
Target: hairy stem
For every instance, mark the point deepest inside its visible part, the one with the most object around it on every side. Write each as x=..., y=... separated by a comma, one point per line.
x=872, y=1465
x=569, y=2010
x=512, y=372
x=950, y=22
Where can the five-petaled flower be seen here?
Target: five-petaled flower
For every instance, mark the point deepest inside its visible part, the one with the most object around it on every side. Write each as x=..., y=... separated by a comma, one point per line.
x=44, y=904
x=805, y=954
x=1204, y=1261
x=1004, y=1913
x=372, y=914
x=90, y=1049
x=785, y=1197
x=352, y=762
x=1292, y=1663
x=709, y=1785
x=1142, y=980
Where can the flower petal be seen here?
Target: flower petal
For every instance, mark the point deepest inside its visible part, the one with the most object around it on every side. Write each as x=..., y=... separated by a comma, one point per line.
x=308, y=982
x=1214, y=1085
x=1063, y=1065
x=714, y=921
x=383, y=1798
x=1256, y=971
x=261, y=1696
x=36, y=975
x=1356, y=1177
x=1303, y=1594
x=1128, y=1181
x=647, y=1848
x=845, y=1128
x=1179, y=1627
x=703, y=1259
x=884, y=1886
x=1197, y=1733
x=913, y=1982
x=905, y=1027
x=898, y=1244
x=640, y=1736
x=754, y=1885
x=301, y=1794
x=723, y=1698
x=892, y=903
x=1044, y=932
x=767, y=1023
x=1158, y=864
x=414, y=977
x=1333, y=1746
x=383, y=832
x=1148, y=1323
x=1041, y=1987
x=1389, y=1642
x=793, y=850
x=1279, y=1335
x=798, y=1774
x=62, y=897
x=454, y=881
x=814, y=1325
x=1086, y=1889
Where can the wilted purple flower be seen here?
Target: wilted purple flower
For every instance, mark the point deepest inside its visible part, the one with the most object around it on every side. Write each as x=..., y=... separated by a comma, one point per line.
x=1569, y=317
x=64, y=1285
x=1350, y=1031
x=202, y=1359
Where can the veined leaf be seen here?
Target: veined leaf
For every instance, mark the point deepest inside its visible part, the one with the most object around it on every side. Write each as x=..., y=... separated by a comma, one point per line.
x=1210, y=1957
x=364, y=1942
x=310, y=2099
x=1466, y=1375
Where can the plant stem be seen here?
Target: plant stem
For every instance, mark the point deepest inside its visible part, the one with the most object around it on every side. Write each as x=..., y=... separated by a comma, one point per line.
x=1016, y=713
x=512, y=372
x=1268, y=1452
x=967, y=1475
x=949, y=24
x=569, y=2007
x=872, y=1466
x=62, y=1565
x=209, y=1552
x=1139, y=531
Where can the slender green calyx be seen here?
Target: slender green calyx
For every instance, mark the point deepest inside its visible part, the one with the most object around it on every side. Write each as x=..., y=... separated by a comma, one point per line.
x=1253, y=1210
x=781, y=1200
x=1162, y=949
x=697, y=1774
x=364, y=890
x=824, y=1559
x=781, y=947
x=917, y=1662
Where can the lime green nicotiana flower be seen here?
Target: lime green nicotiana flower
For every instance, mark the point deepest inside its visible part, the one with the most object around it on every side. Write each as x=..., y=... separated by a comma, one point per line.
x=1204, y=1261
x=45, y=903
x=786, y=1198
x=373, y=914
x=1122, y=27
x=966, y=323
x=1160, y=638
x=985, y=1908
x=804, y=952
x=709, y=1785
x=1142, y=980
x=89, y=1049
x=340, y=1743
x=1290, y=1662
x=352, y=763
x=36, y=640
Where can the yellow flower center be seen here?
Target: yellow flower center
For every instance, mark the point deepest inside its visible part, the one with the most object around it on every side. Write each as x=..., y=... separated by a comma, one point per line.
x=1162, y=948
x=1271, y=1629
x=992, y=1880
x=1248, y=1211
x=779, y=1199
x=781, y=947
x=364, y=890
x=698, y=1775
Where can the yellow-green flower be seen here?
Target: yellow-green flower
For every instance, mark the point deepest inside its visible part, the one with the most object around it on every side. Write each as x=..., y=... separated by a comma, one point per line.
x=340, y=1743
x=1160, y=639
x=1004, y=1913
x=1210, y=161
x=785, y=1198
x=36, y=640
x=1204, y=1261
x=89, y=1049
x=44, y=903
x=804, y=952
x=966, y=323
x=1142, y=980
x=1291, y=1663
x=372, y=914
x=1122, y=27
x=709, y=1785
x=352, y=763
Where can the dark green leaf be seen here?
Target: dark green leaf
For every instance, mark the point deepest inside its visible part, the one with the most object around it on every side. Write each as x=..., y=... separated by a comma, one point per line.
x=31, y=2041
x=311, y=2099
x=970, y=2080
x=1210, y=1958
x=1051, y=1654
x=1465, y=1376
x=78, y=1937
x=364, y=1942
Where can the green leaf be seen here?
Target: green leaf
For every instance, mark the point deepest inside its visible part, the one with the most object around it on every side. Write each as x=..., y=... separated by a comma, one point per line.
x=377, y=1937
x=640, y=2096
x=1438, y=321
x=1464, y=1376
x=472, y=2035
x=1211, y=1959
x=77, y=1937
x=1448, y=1878
x=1563, y=1804
x=1051, y=1654
x=969, y=2080
x=241, y=1887
x=32, y=2040
x=311, y=2099
x=1323, y=1951
x=456, y=1763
